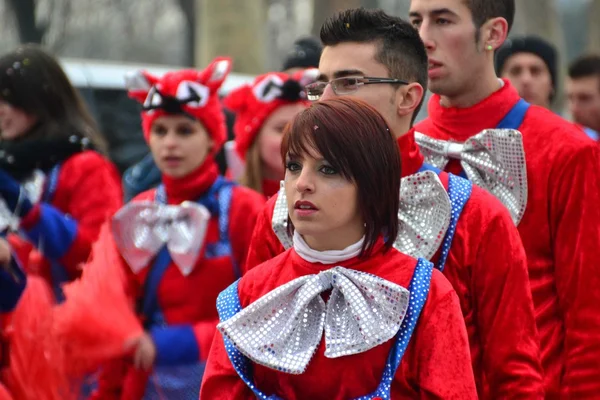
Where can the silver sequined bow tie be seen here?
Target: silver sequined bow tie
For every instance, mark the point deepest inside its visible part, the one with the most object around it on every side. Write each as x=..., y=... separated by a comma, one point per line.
x=424, y=215
x=493, y=159
x=283, y=329
x=33, y=188
x=141, y=229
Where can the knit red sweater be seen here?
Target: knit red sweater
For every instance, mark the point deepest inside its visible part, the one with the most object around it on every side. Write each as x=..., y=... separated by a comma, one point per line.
x=487, y=268
x=560, y=232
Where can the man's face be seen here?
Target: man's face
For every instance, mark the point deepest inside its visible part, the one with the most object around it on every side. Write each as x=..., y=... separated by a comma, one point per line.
x=530, y=76
x=584, y=101
x=449, y=34
x=358, y=60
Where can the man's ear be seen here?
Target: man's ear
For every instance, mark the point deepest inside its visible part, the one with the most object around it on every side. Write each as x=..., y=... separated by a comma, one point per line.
x=408, y=98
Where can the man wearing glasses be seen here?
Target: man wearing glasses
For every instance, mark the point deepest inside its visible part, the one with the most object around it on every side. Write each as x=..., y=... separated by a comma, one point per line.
x=381, y=60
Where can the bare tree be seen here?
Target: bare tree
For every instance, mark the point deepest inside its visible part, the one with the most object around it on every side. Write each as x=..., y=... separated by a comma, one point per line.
x=188, y=8
x=25, y=15
x=593, y=42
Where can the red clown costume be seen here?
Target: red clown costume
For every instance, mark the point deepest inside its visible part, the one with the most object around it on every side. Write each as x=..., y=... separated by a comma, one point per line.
x=481, y=254
x=253, y=105
x=180, y=244
x=424, y=355
x=560, y=226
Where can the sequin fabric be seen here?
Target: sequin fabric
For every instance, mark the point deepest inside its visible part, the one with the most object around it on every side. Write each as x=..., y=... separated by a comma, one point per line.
x=141, y=229
x=283, y=329
x=459, y=191
x=423, y=216
x=493, y=159
x=228, y=305
x=279, y=221
x=33, y=188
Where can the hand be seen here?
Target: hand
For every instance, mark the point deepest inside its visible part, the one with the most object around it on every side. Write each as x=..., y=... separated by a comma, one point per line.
x=5, y=254
x=144, y=351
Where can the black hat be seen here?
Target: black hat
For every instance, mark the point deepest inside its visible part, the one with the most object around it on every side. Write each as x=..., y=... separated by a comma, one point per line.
x=529, y=44
x=305, y=54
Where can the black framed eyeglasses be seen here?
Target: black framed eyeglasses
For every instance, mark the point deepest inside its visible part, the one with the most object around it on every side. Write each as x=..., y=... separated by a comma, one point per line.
x=346, y=85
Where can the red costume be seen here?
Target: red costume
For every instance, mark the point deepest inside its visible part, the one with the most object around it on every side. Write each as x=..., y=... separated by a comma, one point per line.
x=486, y=266
x=560, y=230
x=79, y=196
x=253, y=105
x=434, y=365
x=176, y=290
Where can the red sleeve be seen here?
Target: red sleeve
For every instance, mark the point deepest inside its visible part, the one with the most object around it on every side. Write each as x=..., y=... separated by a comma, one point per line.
x=245, y=207
x=504, y=312
x=89, y=191
x=220, y=380
x=264, y=244
x=442, y=349
x=575, y=227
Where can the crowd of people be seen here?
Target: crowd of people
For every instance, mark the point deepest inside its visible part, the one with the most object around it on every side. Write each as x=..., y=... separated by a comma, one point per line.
x=346, y=252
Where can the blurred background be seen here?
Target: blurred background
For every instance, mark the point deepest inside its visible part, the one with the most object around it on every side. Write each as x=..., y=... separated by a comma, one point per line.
x=97, y=40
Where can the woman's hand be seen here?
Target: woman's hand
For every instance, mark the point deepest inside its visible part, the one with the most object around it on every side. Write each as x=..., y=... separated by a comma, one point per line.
x=144, y=351
x=5, y=254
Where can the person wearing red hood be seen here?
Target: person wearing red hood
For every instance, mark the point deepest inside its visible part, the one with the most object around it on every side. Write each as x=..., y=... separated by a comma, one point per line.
x=262, y=110
x=472, y=109
x=182, y=243
x=464, y=230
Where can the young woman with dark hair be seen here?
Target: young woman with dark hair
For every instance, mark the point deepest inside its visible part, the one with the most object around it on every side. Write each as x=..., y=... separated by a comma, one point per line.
x=388, y=325
x=56, y=186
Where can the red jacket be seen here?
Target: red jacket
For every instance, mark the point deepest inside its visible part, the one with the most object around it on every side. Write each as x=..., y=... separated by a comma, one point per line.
x=435, y=365
x=88, y=191
x=188, y=303
x=487, y=268
x=560, y=232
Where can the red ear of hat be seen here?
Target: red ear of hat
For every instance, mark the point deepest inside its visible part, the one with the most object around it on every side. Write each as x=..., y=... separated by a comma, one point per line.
x=253, y=104
x=197, y=89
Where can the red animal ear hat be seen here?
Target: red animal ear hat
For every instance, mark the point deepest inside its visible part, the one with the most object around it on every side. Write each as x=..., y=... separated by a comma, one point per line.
x=253, y=104
x=188, y=92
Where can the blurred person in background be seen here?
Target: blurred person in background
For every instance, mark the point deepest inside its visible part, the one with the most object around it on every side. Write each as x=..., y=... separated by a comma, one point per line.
x=177, y=246
x=263, y=109
x=56, y=186
x=530, y=64
x=305, y=53
x=583, y=93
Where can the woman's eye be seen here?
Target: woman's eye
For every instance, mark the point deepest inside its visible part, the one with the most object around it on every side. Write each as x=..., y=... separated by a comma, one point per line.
x=159, y=130
x=185, y=131
x=292, y=166
x=327, y=170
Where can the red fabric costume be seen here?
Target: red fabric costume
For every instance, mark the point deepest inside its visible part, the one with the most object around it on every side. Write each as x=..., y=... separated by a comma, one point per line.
x=254, y=104
x=87, y=193
x=560, y=231
x=186, y=303
x=436, y=363
x=487, y=268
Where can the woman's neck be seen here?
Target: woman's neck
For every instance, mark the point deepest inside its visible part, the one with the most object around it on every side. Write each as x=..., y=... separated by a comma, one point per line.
x=334, y=241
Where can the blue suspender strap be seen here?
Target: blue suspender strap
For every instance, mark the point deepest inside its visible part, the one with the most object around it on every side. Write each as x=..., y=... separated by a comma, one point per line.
x=429, y=167
x=515, y=116
x=228, y=304
x=459, y=192
x=149, y=306
x=51, y=184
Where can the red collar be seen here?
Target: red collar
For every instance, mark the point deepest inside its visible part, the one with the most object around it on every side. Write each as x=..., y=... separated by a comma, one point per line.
x=462, y=123
x=193, y=185
x=411, y=158
x=270, y=187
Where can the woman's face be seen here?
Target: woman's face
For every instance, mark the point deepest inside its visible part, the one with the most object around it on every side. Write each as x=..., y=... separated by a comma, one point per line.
x=179, y=145
x=14, y=122
x=322, y=204
x=269, y=140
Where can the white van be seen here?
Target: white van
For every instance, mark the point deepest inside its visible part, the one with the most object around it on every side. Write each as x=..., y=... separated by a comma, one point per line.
x=102, y=85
